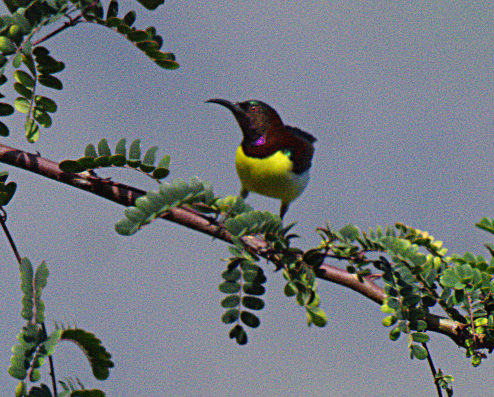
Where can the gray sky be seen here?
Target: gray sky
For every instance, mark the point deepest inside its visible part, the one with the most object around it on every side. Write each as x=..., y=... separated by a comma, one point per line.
x=400, y=97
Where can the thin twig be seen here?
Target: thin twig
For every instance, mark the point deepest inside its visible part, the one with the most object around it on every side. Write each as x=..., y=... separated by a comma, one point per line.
x=52, y=367
x=433, y=370
x=3, y=220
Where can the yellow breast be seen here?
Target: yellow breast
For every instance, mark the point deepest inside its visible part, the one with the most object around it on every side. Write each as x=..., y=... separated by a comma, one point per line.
x=271, y=176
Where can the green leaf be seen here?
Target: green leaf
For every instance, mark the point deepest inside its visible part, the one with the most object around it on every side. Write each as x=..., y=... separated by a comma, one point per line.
x=151, y=31
x=87, y=393
x=7, y=193
x=450, y=279
x=137, y=35
x=314, y=258
x=229, y=287
x=135, y=150
x=90, y=151
x=151, y=4
x=6, y=109
x=256, y=276
x=51, y=343
x=160, y=56
x=95, y=352
x=420, y=337
x=86, y=163
x=146, y=168
x=150, y=156
x=41, y=278
x=230, y=316
x=35, y=375
x=103, y=148
x=15, y=34
x=45, y=104
x=165, y=162
x=117, y=160
x=7, y=46
x=250, y=319
x=26, y=272
x=147, y=45
x=126, y=227
x=418, y=352
x=135, y=214
x=230, y=301
x=253, y=289
x=290, y=289
x=395, y=333
x=239, y=334
x=350, y=232
x=231, y=275
x=113, y=22
x=121, y=147
x=22, y=105
x=27, y=59
x=23, y=90
x=389, y=321
x=32, y=131
x=47, y=65
x=147, y=206
x=71, y=166
x=171, y=65
x=17, y=60
x=393, y=303
x=124, y=29
x=156, y=198
x=112, y=9
x=486, y=224
x=129, y=18
x=317, y=316
x=160, y=173
x=24, y=78
x=50, y=81
x=253, y=303
x=42, y=118
x=20, y=20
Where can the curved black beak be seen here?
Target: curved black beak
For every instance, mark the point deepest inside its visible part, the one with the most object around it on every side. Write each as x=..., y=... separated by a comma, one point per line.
x=238, y=112
x=234, y=108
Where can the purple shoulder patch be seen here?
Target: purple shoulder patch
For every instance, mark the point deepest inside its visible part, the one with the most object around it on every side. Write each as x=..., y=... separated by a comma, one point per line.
x=260, y=141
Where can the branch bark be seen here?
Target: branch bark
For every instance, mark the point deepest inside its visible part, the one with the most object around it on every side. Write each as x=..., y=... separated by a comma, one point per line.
x=126, y=195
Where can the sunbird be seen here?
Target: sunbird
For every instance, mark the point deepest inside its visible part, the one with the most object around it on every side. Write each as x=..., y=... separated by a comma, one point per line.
x=273, y=159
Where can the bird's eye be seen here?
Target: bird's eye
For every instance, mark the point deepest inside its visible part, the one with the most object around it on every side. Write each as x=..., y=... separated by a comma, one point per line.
x=253, y=108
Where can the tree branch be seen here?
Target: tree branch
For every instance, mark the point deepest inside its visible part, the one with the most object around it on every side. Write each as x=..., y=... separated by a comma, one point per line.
x=126, y=195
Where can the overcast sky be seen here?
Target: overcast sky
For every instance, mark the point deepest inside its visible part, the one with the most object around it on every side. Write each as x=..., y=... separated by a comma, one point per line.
x=400, y=97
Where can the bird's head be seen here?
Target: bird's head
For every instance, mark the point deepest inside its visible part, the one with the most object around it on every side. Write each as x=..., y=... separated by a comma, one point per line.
x=255, y=118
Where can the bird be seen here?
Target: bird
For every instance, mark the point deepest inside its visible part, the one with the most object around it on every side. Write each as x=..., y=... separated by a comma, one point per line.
x=273, y=159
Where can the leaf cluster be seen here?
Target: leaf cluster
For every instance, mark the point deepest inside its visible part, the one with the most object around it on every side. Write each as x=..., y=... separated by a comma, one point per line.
x=145, y=40
x=253, y=222
x=244, y=276
x=102, y=157
x=243, y=284
x=98, y=357
x=301, y=280
x=417, y=276
x=35, y=346
x=40, y=69
x=156, y=203
x=17, y=46
x=229, y=205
